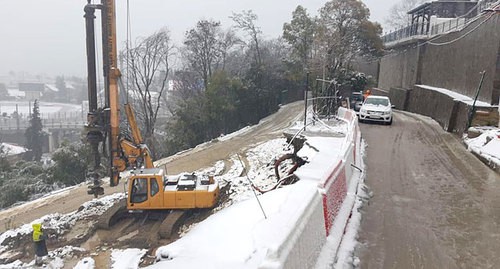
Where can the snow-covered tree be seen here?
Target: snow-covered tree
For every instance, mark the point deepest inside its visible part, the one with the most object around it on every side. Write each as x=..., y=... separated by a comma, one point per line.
x=34, y=134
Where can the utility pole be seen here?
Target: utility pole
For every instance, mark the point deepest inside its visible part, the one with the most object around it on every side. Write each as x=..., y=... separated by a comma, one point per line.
x=305, y=100
x=473, y=110
x=17, y=117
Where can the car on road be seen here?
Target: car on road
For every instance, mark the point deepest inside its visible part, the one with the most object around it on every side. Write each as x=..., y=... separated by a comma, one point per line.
x=356, y=101
x=376, y=108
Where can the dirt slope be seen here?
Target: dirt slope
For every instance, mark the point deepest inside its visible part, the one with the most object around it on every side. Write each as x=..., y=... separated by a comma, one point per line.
x=128, y=233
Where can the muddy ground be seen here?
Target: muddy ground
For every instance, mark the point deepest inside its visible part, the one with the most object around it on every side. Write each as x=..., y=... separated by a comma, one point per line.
x=138, y=231
x=434, y=204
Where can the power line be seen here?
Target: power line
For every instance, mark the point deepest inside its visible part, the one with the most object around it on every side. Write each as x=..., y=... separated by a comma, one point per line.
x=430, y=42
x=461, y=37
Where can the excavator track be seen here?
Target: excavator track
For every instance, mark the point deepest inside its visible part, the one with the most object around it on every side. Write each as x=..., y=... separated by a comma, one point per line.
x=112, y=215
x=172, y=222
x=168, y=227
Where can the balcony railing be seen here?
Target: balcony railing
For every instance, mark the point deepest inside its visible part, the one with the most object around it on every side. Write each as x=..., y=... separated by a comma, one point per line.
x=450, y=25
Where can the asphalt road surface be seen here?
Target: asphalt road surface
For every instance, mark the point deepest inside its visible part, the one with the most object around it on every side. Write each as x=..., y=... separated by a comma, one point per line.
x=434, y=204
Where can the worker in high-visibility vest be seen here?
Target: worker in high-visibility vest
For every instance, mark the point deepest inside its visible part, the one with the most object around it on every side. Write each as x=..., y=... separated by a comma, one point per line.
x=367, y=93
x=40, y=245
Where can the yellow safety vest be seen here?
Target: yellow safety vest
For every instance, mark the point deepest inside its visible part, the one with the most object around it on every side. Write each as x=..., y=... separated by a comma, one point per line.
x=37, y=232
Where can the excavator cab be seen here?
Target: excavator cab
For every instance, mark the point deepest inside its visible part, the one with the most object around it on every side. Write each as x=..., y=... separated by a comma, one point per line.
x=149, y=188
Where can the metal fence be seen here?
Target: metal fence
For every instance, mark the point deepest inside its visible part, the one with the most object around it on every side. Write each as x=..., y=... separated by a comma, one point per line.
x=51, y=121
x=449, y=26
x=407, y=32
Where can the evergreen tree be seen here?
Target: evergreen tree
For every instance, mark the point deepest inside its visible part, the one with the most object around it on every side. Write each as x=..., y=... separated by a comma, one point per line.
x=63, y=94
x=299, y=33
x=34, y=134
x=4, y=163
x=70, y=165
x=3, y=91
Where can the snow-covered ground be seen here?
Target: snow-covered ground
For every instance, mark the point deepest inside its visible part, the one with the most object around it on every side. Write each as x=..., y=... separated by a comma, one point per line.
x=46, y=108
x=242, y=235
x=245, y=229
x=487, y=145
x=11, y=149
x=57, y=224
x=238, y=235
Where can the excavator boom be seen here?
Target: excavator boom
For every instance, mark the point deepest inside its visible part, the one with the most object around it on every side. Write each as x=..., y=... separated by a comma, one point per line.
x=111, y=76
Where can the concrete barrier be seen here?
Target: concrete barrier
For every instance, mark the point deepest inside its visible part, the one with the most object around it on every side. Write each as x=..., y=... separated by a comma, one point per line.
x=329, y=209
x=301, y=248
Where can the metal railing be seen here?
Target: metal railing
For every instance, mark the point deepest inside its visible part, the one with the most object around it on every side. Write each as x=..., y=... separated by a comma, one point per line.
x=424, y=29
x=449, y=26
x=407, y=32
x=52, y=123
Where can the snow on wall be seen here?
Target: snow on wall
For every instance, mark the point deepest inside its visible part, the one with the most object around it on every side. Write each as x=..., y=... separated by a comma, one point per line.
x=329, y=211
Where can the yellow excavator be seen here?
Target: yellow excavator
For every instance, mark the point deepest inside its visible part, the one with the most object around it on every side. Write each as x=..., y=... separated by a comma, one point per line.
x=148, y=187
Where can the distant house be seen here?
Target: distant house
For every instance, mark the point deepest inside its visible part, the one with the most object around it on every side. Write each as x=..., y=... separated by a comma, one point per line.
x=51, y=93
x=51, y=88
x=13, y=152
x=32, y=91
x=72, y=95
x=16, y=94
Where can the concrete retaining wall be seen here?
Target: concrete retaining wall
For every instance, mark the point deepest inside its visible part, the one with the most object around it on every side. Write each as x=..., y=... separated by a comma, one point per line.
x=452, y=61
x=457, y=65
x=399, y=69
x=433, y=104
x=399, y=98
x=367, y=66
x=451, y=114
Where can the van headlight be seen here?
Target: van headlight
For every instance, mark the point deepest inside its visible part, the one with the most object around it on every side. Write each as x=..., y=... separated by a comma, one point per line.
x=387, y=113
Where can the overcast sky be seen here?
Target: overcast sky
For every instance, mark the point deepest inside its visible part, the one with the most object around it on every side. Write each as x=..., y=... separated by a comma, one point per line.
x=48, y=36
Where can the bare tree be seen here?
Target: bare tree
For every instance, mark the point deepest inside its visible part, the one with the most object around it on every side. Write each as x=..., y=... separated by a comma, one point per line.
x=246, y=21
x=203, y=48
x=148, y=65
x=228, y=40
x=398, y=15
